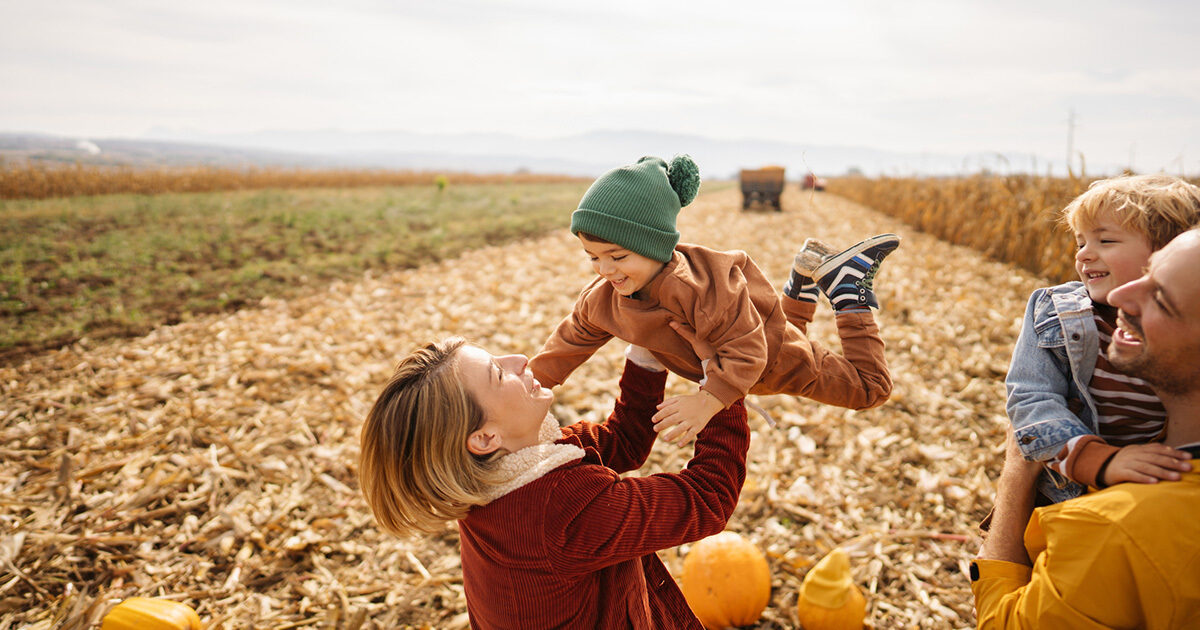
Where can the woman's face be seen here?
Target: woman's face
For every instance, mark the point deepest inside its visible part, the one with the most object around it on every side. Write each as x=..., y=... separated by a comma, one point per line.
x=514, y=403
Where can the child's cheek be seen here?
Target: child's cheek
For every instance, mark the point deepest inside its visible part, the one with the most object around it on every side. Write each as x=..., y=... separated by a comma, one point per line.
x=1098, y=296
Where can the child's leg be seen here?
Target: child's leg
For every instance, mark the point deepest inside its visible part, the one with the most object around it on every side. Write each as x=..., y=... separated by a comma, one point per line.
x=863, y=349
x=856, y=379
x=799, y=312
x=800, y=293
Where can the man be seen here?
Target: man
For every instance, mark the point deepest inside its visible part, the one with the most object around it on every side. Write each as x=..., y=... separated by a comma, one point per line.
x=1127, y=556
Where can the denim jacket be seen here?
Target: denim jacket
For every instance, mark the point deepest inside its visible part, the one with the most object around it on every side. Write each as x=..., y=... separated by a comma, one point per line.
x=1052, y=365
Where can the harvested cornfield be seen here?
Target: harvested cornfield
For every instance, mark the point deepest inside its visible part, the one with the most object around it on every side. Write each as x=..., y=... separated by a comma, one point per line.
x=214, y=461
x=39, y=181
x=1012, y=219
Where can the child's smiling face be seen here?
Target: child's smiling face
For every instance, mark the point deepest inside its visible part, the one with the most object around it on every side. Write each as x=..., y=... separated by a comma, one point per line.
x=1109, y=255
x=626, y=271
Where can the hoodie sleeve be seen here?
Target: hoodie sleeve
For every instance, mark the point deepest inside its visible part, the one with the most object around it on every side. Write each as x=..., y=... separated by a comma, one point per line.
x=572, y=343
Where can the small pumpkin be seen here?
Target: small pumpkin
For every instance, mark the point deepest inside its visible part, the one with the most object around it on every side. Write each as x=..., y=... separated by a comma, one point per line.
x=726, y=581
x=149, y=613
x=829, y=599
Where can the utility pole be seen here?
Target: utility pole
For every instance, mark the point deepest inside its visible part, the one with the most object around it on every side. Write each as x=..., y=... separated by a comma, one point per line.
x=1070, y=138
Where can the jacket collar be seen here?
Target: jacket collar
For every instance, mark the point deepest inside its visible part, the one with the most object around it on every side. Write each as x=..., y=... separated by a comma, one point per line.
x=1070, y=298
x=532, y=462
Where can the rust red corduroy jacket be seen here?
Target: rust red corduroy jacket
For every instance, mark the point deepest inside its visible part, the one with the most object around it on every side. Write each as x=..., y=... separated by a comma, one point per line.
x=576, y=547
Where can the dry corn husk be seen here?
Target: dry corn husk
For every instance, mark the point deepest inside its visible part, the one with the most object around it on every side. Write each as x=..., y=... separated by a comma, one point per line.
x=215, y=459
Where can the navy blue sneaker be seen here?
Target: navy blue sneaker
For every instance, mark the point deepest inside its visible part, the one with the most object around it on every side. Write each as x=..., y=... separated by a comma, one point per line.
x=846, y=278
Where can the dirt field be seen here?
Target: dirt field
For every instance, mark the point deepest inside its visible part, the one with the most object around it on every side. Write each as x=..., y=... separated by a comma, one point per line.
x=214, y=461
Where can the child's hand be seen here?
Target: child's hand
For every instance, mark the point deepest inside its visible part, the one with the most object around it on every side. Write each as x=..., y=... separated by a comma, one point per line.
x=681, y=418
x=1146, y=463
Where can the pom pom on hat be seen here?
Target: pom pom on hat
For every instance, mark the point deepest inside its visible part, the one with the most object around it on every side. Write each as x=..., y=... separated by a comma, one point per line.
x=684, y=176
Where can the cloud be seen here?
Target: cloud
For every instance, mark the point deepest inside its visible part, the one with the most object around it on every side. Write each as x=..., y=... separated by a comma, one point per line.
x=922, y=75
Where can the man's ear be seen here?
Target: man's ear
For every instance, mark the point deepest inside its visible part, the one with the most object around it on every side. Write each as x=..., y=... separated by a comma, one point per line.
x=484, y=441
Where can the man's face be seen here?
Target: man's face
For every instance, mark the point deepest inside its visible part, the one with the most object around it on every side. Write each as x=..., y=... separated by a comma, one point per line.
x=1158, y=328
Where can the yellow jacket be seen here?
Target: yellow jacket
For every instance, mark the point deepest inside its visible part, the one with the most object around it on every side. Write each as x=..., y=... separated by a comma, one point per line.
x=1124, y=557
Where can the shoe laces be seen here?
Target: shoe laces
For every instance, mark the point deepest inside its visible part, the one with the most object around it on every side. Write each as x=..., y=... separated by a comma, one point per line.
x=868, y=279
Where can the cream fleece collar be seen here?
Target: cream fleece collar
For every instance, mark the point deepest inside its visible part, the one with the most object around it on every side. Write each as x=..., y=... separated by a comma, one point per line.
x=521, y=467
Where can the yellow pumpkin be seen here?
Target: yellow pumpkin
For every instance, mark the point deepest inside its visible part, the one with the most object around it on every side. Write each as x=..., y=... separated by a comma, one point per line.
x=829, y=599
x=147, y=613
x=726, y=581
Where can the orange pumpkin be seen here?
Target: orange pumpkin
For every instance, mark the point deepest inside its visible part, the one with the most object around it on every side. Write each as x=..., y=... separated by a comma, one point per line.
x=726, y=581
x=829, y=599
x=147, y=613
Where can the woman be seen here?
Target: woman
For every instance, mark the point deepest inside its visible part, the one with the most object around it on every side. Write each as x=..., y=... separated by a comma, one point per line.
x=551, y=535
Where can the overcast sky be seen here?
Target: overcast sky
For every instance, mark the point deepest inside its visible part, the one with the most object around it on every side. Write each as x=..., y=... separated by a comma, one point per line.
x=913, y=75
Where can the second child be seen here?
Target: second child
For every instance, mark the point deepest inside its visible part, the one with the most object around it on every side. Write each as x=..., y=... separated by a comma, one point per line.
x=1070, y=409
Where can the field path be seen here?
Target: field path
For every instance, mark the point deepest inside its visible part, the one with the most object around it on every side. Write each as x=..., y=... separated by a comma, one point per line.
x=215, y=460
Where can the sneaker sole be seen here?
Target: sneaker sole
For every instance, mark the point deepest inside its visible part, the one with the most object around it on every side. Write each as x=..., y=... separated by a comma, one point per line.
x=842, y=258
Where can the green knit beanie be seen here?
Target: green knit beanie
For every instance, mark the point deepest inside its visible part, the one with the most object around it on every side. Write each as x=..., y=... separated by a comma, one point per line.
x=635, y=206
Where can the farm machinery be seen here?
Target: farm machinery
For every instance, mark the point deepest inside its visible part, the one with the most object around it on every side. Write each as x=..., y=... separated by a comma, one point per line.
x=762, y=185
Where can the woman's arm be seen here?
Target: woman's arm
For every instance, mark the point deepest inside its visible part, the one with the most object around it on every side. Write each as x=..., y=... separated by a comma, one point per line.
x=626, y=438
x=600, y=519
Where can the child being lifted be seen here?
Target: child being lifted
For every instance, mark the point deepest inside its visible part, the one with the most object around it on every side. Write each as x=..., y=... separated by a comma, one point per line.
x=649, y=284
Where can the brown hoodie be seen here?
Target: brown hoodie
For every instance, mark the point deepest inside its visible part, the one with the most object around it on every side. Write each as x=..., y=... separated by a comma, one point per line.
x=730, y=303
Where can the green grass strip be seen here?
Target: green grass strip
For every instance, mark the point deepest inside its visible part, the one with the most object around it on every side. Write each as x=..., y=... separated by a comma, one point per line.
x=119, y=265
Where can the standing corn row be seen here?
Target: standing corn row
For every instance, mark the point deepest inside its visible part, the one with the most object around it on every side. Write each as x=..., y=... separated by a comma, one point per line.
x=1011, y=219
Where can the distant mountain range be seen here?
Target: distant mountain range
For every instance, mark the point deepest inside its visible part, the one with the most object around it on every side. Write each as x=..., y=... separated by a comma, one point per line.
x=586, y=154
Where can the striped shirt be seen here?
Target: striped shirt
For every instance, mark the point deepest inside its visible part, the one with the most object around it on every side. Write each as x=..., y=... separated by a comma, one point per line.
x=1128, y=412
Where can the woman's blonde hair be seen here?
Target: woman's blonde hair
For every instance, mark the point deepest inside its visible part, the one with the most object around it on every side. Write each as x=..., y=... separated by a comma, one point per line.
x=414, y=467
x=1160, y=207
